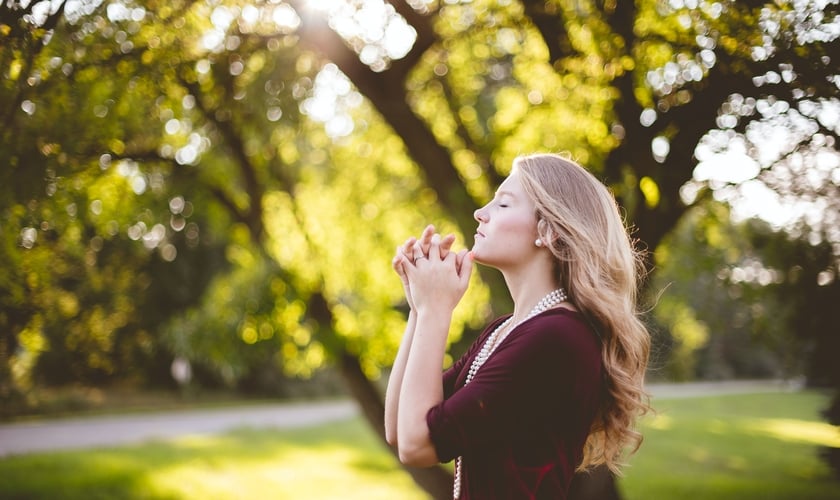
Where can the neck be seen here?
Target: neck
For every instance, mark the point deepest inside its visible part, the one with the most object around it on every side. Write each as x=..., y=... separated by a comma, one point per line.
x=527, y=291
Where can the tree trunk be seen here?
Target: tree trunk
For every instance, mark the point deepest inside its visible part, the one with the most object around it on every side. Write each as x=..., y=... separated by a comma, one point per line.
x=436, y=481
x=831, y=454
x=598, y=484
x=386, y=91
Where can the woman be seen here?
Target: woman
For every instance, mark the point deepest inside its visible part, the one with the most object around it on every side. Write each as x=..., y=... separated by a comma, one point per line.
x=550, y=389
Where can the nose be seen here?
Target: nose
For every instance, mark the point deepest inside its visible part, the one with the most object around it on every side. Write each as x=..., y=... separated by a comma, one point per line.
x=479, y=215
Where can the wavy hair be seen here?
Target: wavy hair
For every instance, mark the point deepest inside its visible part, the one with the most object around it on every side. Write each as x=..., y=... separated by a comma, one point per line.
x=600, y=267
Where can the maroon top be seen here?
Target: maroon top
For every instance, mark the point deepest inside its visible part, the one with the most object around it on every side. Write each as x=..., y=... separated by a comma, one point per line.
x=522, y=421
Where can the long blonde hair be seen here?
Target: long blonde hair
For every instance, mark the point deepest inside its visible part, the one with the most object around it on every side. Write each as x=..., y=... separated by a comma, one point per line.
x=600, y=267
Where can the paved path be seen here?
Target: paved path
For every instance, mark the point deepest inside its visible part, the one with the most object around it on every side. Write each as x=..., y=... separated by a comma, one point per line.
x=100, y=431
x=111, y=430
x=697, y=389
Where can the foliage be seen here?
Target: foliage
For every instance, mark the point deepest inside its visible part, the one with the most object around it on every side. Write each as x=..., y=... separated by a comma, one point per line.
x=715, y=331
x=806, y=291
x=745, y=300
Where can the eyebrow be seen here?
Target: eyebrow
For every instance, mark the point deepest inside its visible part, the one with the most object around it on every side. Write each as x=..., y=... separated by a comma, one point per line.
x=505, y=193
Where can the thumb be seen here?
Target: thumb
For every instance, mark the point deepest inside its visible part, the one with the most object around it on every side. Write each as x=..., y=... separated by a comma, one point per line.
x=465, y=269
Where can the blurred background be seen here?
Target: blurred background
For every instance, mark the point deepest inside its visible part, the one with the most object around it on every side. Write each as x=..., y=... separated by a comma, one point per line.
x=200, y=201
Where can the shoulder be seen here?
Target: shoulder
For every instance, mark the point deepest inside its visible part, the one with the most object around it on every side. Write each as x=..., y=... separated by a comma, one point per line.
x=560, y=324
x=557, y=329
x=558, y=344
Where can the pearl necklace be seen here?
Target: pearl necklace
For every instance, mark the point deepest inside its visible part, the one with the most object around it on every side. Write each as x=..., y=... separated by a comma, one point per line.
x=553, y=299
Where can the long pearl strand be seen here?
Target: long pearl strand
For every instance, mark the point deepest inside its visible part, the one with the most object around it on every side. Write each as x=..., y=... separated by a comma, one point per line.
x=553, y=299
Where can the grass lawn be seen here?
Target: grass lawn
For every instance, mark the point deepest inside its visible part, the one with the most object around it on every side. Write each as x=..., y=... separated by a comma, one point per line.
x=735, y=447
x=747, y=447
x=336, y=461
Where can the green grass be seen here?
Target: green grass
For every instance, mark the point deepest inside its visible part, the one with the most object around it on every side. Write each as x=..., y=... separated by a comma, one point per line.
x=747, y=447
x=738, y=447
x=337, y=461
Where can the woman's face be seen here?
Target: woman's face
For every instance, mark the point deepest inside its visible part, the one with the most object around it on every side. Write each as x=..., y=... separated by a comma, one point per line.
x=507, y=226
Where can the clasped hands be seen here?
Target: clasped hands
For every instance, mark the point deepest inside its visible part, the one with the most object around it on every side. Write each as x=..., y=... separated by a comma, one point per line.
x=433, y=276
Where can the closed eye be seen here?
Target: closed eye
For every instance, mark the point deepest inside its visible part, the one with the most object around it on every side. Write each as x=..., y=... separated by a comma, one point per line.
x=502, y=198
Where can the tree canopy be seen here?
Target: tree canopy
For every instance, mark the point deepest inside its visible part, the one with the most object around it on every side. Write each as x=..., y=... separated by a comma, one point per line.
x=226, y=181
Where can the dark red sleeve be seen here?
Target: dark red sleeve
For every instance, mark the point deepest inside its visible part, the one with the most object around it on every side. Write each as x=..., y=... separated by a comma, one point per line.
x=455, y=374
x=547, y=368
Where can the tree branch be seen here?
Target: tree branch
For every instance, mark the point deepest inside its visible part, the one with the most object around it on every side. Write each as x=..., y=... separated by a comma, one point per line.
x=548, y=19
x=253, y=214
x=386, y=91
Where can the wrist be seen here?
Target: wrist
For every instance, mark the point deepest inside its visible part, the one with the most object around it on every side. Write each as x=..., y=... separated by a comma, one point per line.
x=432, y=320
x=434, y=308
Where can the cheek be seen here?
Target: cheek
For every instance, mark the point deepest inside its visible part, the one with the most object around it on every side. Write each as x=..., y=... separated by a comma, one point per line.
x=520, y=230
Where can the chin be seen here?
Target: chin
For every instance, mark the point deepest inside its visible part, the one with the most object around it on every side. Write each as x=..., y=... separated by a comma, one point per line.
x=477, y=257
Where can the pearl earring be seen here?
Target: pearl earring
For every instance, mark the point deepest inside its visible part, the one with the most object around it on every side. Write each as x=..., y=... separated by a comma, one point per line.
x=539, y=242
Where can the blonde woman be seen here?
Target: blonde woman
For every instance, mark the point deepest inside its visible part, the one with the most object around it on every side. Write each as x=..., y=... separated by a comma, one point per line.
x=555, y=386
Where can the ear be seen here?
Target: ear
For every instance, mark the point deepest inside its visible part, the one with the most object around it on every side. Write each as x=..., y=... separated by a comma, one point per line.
x=543, y=232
